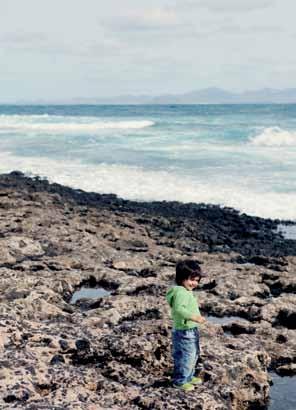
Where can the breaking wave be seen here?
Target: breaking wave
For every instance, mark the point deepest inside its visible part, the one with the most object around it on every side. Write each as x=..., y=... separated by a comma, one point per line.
x=274, y=137
x=57, y=124
x=137, y=183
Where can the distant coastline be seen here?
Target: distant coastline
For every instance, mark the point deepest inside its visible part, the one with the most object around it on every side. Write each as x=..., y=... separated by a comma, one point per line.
x=204, y=96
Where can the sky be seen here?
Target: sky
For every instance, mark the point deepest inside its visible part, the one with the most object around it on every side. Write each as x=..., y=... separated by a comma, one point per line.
x=63, y=49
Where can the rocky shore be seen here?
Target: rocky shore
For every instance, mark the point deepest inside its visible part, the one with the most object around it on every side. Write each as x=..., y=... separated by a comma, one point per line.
x=114, y=352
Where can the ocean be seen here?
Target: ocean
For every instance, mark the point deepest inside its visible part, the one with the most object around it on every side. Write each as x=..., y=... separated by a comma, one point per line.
x=241, y=156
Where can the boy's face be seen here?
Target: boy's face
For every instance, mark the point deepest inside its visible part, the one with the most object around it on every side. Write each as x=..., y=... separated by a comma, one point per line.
x=191, y=283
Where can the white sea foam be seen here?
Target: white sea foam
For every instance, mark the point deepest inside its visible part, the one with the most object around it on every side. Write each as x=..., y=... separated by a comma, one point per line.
x=140, y=184
x=61, y=124
x=274, y=137
x=28, y=116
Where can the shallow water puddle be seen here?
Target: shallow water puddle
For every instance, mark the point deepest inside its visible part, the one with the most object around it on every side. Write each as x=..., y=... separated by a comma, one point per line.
x=89, y=293
x=224, y=320
x=288, y=232
x=282, y=393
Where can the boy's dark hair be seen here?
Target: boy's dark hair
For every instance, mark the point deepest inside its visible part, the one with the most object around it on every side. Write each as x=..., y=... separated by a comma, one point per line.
x=188, y=268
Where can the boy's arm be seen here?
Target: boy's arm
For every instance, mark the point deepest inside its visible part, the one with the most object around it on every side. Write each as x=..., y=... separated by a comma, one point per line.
x=198, y=319
x=180, y=308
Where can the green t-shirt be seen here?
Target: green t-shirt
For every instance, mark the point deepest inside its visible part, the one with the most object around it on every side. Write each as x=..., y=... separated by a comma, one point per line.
x=183, y=305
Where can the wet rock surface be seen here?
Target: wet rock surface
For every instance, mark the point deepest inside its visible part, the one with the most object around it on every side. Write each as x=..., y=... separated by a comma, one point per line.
x=114, y=352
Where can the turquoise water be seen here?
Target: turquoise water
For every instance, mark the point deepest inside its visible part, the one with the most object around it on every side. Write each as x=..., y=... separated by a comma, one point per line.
x=225, y=320
x=88, y=293
x=242, y=156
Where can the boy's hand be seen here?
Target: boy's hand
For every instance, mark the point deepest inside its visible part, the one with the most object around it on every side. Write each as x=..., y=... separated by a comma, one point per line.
x=198, y=319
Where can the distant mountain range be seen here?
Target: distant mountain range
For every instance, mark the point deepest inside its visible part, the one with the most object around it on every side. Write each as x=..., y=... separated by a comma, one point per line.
x=204, y=96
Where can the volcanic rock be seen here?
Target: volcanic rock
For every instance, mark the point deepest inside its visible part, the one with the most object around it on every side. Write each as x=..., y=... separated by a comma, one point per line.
x=115, y=352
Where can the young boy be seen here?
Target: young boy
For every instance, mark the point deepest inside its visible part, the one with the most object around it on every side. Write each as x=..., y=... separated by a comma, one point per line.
x=186, y=316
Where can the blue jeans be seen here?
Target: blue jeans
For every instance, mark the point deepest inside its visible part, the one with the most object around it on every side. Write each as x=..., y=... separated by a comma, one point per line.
x=185, y=354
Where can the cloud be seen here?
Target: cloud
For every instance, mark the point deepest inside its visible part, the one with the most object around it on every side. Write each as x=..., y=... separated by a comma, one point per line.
x=30, y=42
x=24, y=40
x=147, y=20
x=188, y=20
x=252, y=29
x=228, y=6
x=40, y=43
